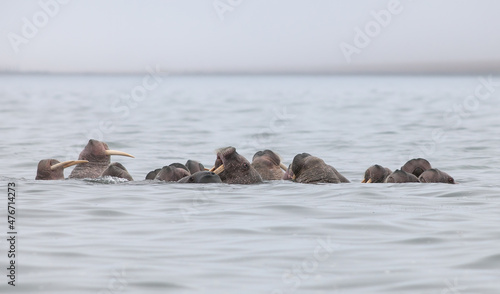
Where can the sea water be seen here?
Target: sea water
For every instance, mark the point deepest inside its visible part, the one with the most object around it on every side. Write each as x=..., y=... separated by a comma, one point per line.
x=111, y=236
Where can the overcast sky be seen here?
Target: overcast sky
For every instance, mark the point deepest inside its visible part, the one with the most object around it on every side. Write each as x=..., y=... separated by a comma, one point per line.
x=251, y=36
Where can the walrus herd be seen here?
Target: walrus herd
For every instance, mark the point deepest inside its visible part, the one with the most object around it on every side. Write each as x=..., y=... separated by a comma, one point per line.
x=232, y=168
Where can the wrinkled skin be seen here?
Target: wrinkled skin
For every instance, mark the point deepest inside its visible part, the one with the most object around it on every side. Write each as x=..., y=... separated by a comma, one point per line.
x=52, y=169
x=267, y=163
x=310, y=169
x=172, y=173
x=376, y=174
x=116, y=169
x=194, y=166
x=416, y=166
x=434, y=175
x=201, y=177
x=96, y=153
x=45, y=173
x=152, y=174
x=237, y=169
x=400, y=176
x=98, y=161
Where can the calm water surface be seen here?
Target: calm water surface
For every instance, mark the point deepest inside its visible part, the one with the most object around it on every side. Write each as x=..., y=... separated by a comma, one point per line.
x=107, y=236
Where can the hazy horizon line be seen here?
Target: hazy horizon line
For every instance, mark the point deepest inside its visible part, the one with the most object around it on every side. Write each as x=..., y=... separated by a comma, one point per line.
x=255, y=73
x=410, y=68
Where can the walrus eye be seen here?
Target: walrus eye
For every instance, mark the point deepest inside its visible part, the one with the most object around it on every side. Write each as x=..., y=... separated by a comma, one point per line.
x=245, y=166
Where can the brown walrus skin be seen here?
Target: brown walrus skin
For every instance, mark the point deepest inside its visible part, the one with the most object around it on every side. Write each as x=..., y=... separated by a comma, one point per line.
x=288, y=175
x=152, y=174
x=434, y=175
x=339, y=175
x=237, y=169
x=268, y=165
x=310, y=169
x=52, y=169
x=400, y=176
x=99, y=157
x=194, y=166
x=172, y=172
x=201, y=177
x=117, y=170
x=376, y=174
x=416, y=166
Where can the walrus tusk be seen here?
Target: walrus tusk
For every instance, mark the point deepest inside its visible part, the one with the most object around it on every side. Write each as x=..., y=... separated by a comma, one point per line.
x=363, y=181
x=219, y=170
x=66, y=164
x=212, y=169
x=115, y=152
x=369, y=181
x=283, y=166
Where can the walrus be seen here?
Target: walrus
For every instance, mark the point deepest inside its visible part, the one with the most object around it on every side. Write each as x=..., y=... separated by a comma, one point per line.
x=99, y=156
x=376, y=174
x=310, y=169
x=268, y=164
x=434, y=175
x=201, y=177
x=416, y=166
x=194, y=166
x=152, y=174
x=52, y=169
x=400, y=176
x=172, y=172
x=117, y=169
x=233, y=168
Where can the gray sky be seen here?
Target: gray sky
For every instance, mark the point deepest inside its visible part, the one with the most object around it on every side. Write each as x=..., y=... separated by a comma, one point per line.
x=251, y=36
